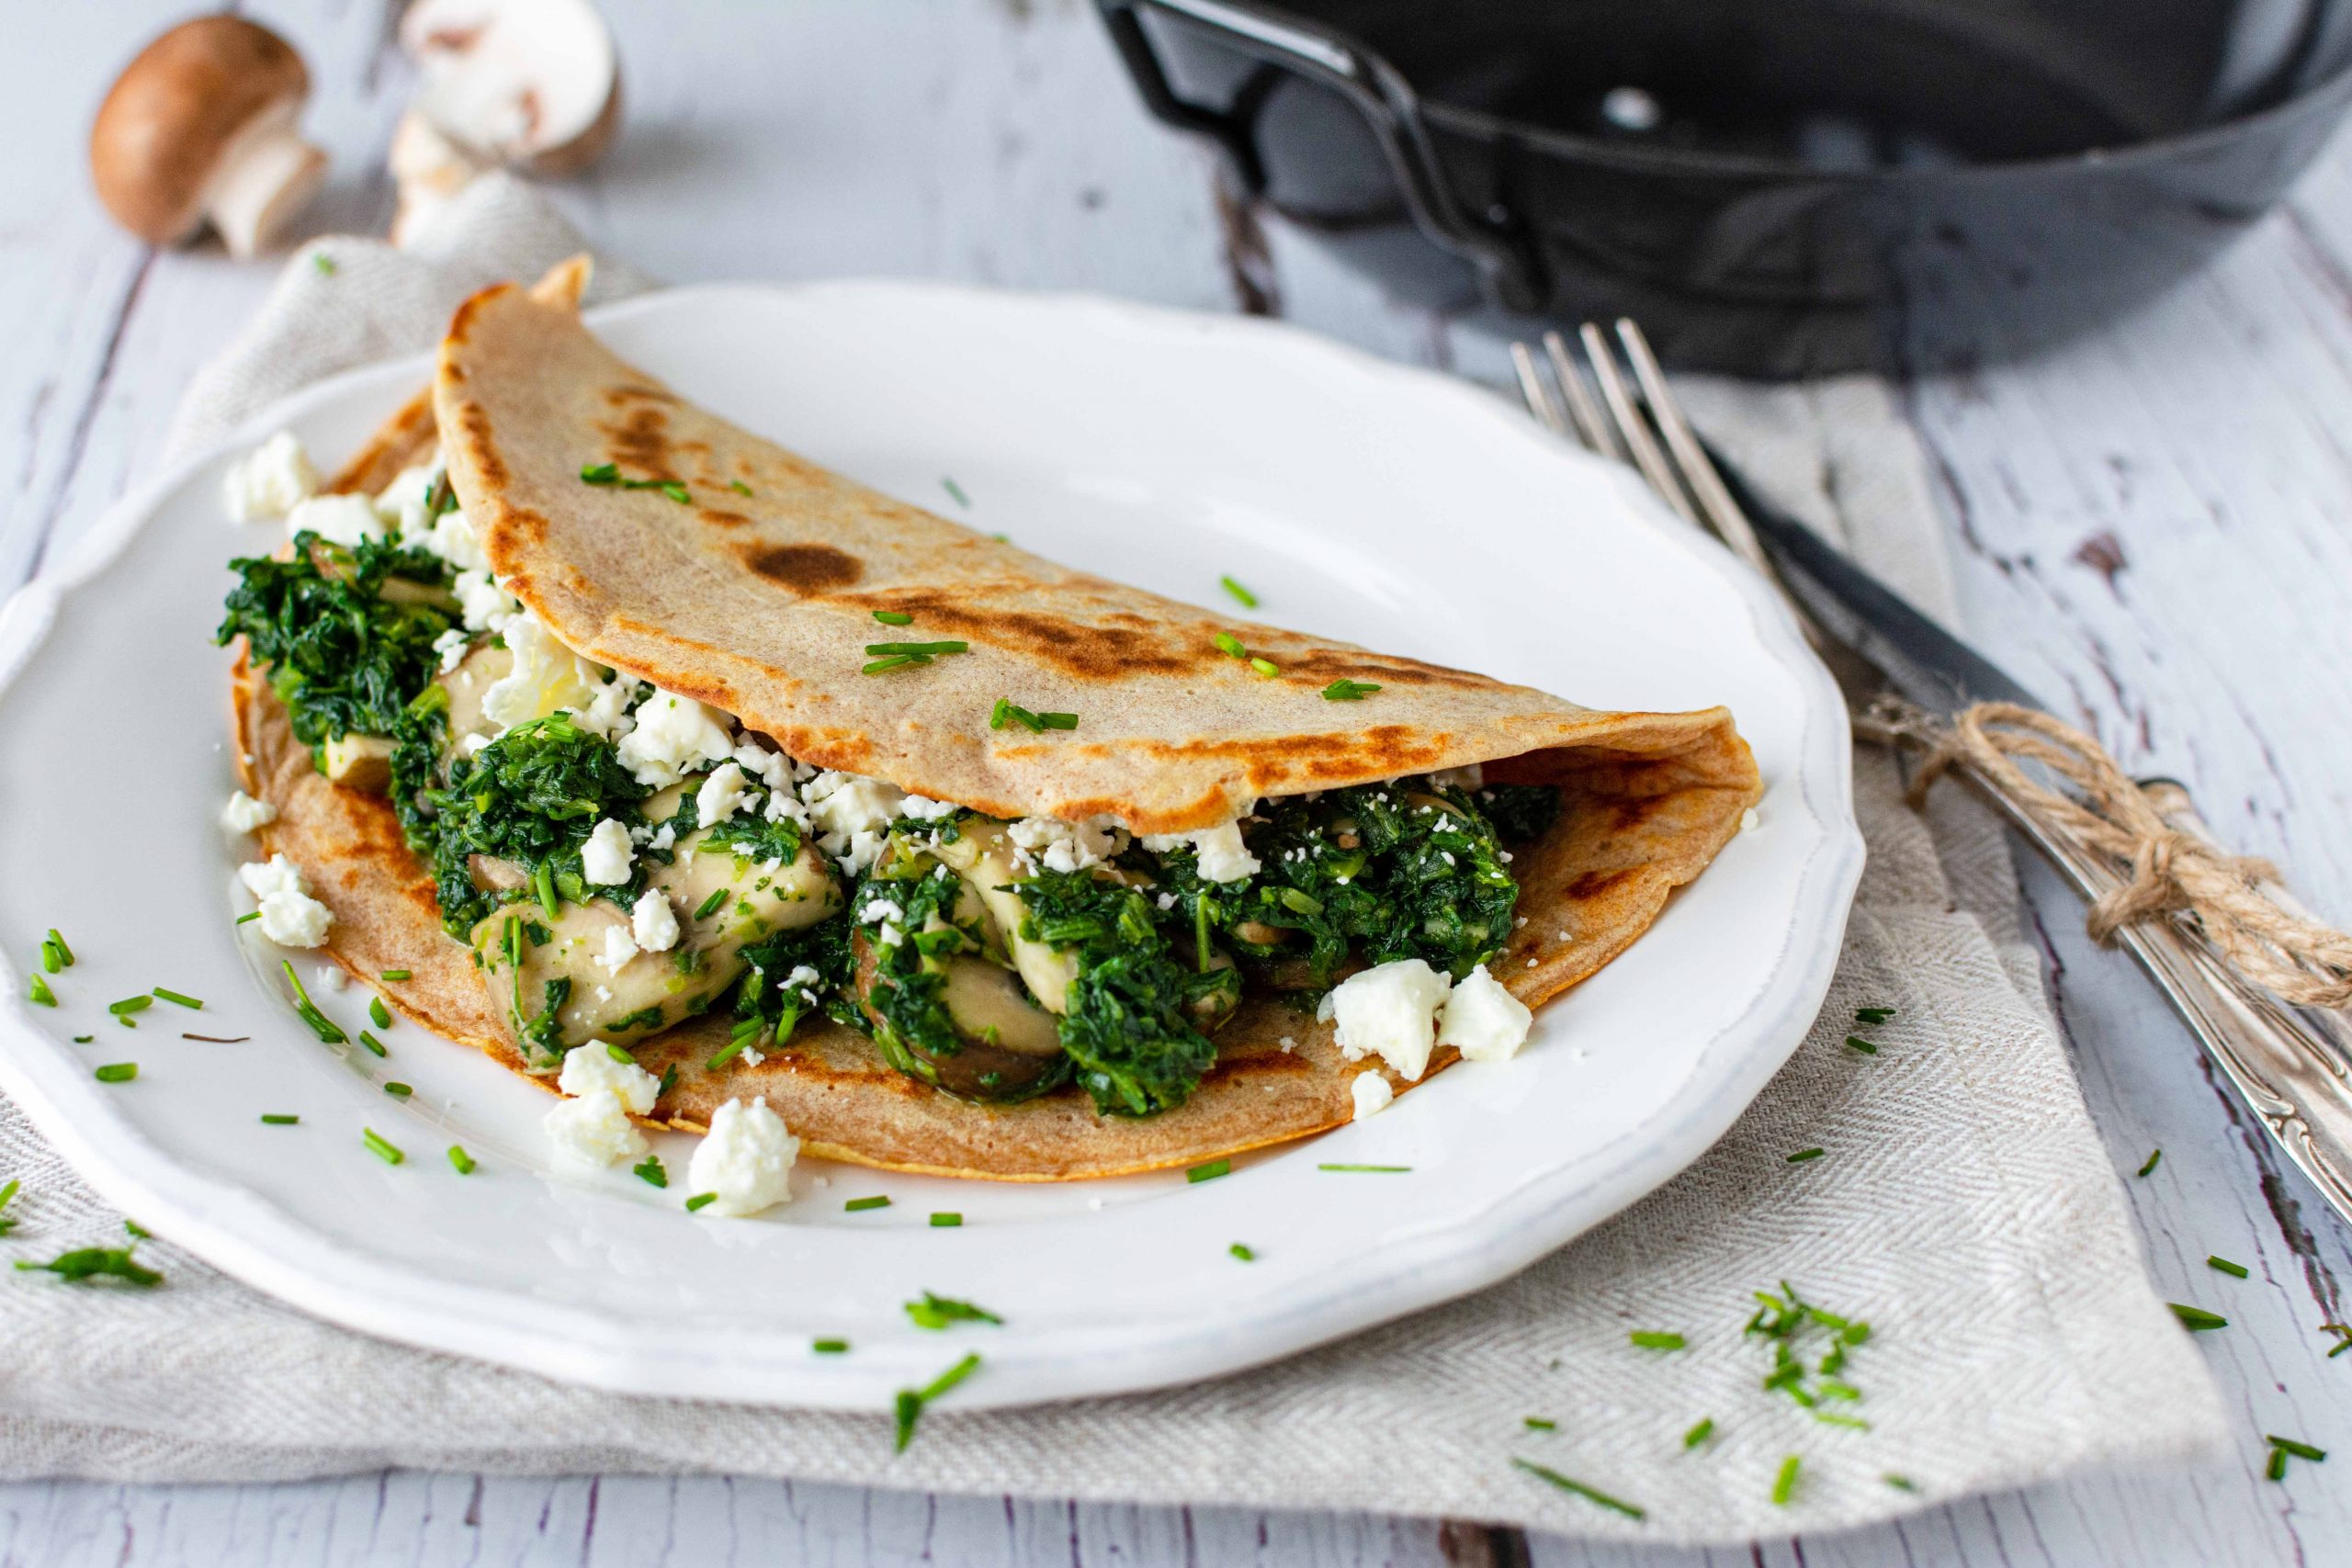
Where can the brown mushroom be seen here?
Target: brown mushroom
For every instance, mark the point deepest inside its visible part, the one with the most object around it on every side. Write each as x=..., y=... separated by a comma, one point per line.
x=202, y=126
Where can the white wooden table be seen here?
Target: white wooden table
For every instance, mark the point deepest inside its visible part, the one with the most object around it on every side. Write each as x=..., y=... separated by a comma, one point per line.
x=2201, y=452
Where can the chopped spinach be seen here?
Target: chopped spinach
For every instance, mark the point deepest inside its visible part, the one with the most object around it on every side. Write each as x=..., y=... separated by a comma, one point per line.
x=1128, y=1028
x=1519, y=813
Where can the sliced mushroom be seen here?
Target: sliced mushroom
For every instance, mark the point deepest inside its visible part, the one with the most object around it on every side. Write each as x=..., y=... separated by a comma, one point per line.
x=1006, y=1047
x=467, y=685
x=982, y=855
x=201, y=127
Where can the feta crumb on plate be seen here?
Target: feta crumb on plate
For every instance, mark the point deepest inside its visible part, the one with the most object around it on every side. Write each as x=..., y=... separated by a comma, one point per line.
x=746, y=1160
x=593, y=1130
x=1390, y=1010
x=275, y=875
x=1372, y=1094
x=1482, y=1020
x=295, y=919
x=244, y=813
x=339, y=519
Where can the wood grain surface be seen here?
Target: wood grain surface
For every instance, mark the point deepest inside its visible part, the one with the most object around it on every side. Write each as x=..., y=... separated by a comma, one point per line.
x=2152, y=525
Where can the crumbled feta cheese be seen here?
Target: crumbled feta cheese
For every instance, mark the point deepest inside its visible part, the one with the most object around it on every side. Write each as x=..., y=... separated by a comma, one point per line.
x=877, y=910
x=720, y=796
x=1068, y=846
x=674, y=737
x=404, y=502
x=338, y=519
x=1372, y=1094
x=1464, y=778
x=294, y=920
x=330, y=977
x=665, y=836
x=1287, y=1043
x=1749, y=821
x=746, y=1160
x=750, y=1056
x=589, y=1068
x=1391, y=1010
x=926, y=810
x=270, y=480
x=244, y=813
x=545, y=677
x=772, y=769
x=653, y=923
x=1166, y=901
x=484, y=605
x=451, y=645
x=605, y=858
x=619, y=948
x=275, y=875
x=1223, y=856
x=805, y=980
x=608, y=712
x=1482, y=1020
x=593, y=1130
x=849, y=814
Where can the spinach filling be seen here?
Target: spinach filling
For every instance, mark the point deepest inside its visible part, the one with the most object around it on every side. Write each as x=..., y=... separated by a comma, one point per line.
x=343, y=658
x=1127, y=1029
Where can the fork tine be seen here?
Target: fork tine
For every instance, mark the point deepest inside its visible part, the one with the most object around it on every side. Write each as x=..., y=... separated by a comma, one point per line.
x=1589, y=423
x=1535, y=394
x=1698, y=470
x=1631, y=427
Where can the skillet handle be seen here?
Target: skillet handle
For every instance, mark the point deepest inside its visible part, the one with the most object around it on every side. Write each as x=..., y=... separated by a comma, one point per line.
x=1492, y=244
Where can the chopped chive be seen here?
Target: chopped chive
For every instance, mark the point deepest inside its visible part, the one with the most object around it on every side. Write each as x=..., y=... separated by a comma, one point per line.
x=50, y=959
x=1243, y=1252
x=129, y=1005
x=279, y=1119
x=610, y=474
x=650, y=1171
x=86, y=1039
x=7, y=1192
x=946, y=1219
x=90, y=1262
x=1541, y=1424
x=37, y=991
x=1803, y=1154
x=1900, y=1482
x=718, y=897
x=1247, y=600
x=325, y=1028
x=1229, y=644
x=1007, y=711
x=1590, y=1495
x=1832, y=1418
x=395, y=974
x=461, y=1161
x=859, y=1205
x=2197, y=1319
x=182, y=1000
x=1347, y=691
x=922, y=649
x=1656, y=1339
x=1265, y=666
x=1856, y=1042
x=2289, y=1445
x=953, y=488
x=116, y=1072
x=377, y=1013
x=701, y=1200
x=2276, y=1469
x=1385, y=1169
x=380, y=1148
x=895, y=661
x=728, y=1052
x=1872, y=1015
x=668, y=1081
x=1700, y=1433
x=829, y=1347
x=908, y=1407
x=2343, y=1338
x=739, y=487
x=1208, y=1172
x=323, y=264
x=2223, y=1265
x=397, y=1091
x=894, y=617
x=2149, y=1163
x=375, y=1046
x=248, y=915
x=936, y=1312
x=63, y=951
x=1058, y=720
x=138, y=1232
x=1785, y=1484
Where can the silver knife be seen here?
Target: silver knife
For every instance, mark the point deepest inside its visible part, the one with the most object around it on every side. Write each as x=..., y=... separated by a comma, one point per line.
x=2291, y=1066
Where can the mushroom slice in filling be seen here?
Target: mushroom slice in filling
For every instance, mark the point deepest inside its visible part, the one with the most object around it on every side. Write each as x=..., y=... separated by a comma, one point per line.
x=982, y=855
x=536, y=969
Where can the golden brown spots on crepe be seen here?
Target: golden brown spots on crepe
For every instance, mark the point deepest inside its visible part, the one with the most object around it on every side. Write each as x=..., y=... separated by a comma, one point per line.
x=719, y=519
x=640, y=443
x=806, y=570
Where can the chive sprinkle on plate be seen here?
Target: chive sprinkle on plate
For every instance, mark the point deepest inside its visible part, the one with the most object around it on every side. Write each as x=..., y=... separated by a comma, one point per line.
x=946, y=1220
x=397, y=1091
x=701, y=1200
x=2197, y=1320
x=1244, y=1252
x=1784, y=1485
x=460, y=1161
x=829, y=1347
x=1578, y=1488
x=2224, y=1266
x=2149, y=1163
x=377, y=1013
x=935, y=1312
x=116, y=1072
x=1656, y=1339
x=378, y=1145
x=1209, y=1171
x=908, y=1407
x=179, y=997
x=1241, y=596
x=954, y=490
x=58, y=943
x=1700, y=1433
x=279, y=1119
x=858, y=1205
x=1378, y=1169
x=38, y=992
x=1541, y=1424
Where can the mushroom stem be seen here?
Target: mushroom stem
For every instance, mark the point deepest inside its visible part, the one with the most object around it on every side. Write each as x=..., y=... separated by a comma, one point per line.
x=264, y=175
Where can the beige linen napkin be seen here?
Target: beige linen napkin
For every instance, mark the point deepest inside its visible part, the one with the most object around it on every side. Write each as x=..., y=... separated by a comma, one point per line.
x=1964, y=1207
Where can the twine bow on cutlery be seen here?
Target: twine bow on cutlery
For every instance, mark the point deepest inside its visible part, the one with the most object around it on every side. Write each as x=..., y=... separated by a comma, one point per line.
x=2170, y=870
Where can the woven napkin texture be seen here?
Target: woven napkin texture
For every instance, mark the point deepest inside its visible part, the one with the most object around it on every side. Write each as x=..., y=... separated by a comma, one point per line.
x=1964, y=1206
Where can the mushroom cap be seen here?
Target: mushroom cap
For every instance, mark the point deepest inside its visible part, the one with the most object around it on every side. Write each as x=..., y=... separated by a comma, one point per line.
x=175, y=109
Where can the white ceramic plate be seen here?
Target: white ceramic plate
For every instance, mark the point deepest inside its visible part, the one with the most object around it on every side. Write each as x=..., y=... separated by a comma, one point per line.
x=1385, y=505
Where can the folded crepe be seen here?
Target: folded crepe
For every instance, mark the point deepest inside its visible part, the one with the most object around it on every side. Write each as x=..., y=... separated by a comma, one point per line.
x=655, y=540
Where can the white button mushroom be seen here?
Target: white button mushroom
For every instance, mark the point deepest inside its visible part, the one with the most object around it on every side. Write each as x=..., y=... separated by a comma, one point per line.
x=531, y=83
x=201, y=127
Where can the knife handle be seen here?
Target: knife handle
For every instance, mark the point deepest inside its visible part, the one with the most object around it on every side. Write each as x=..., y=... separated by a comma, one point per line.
x=2284, y=1066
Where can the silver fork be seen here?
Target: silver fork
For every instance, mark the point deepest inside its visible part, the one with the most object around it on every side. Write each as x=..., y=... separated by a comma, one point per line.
x=2292, y=1067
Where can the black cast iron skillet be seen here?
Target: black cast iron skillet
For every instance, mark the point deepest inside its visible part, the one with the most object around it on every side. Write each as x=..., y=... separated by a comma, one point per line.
x=1769, y=186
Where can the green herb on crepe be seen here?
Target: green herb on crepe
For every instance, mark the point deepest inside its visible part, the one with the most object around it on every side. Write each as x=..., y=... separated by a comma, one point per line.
x=1346, y=690
x=609, y=476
